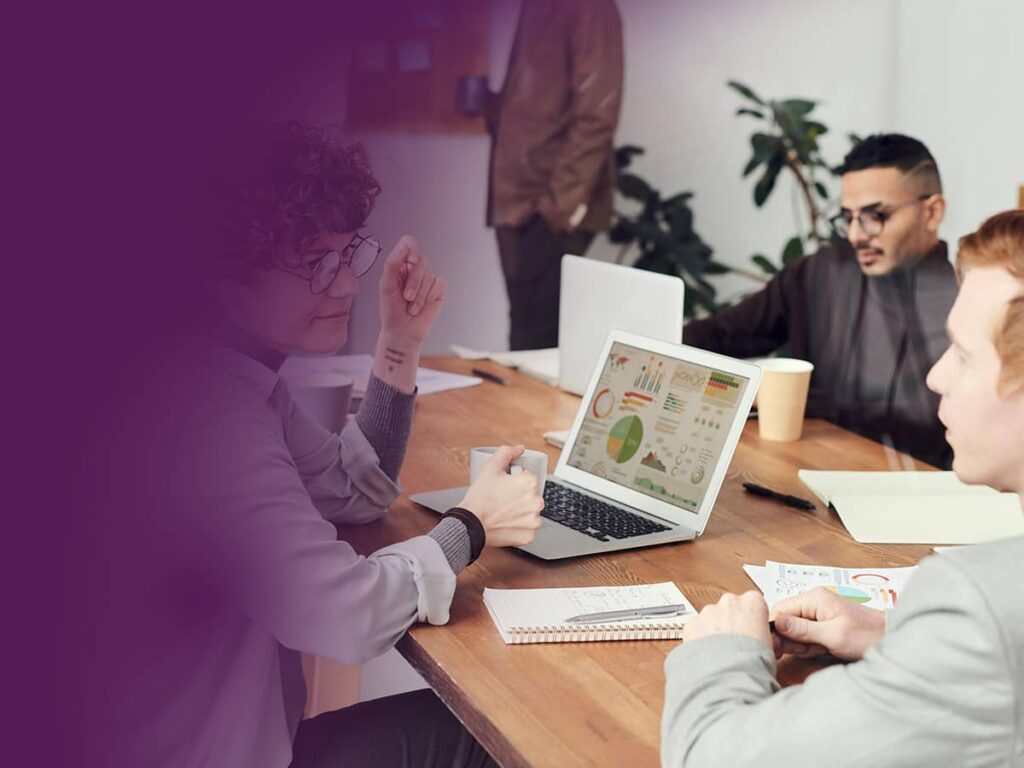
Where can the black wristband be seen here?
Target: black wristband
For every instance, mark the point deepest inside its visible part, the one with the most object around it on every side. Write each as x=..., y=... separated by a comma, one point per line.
x=475, y=529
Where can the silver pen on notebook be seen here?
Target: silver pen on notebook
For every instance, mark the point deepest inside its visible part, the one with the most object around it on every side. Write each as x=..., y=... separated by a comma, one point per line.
x=657, y=611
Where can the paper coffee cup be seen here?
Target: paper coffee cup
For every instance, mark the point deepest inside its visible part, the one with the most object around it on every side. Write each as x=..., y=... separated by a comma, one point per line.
x=782, y=398
x=531, y=461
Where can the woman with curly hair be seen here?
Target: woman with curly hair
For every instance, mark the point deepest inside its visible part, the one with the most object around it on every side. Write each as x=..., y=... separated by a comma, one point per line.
x=266, y=484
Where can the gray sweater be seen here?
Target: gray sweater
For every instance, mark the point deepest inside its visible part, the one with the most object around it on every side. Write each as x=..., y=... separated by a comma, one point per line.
x=264, y=486
x=945, y=686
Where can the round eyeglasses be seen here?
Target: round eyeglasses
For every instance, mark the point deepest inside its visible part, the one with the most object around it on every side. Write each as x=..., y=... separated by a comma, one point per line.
x=870, y=220
x=359, y=255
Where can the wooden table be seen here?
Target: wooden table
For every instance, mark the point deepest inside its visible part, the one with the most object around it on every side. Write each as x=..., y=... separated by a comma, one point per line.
x=597, y=704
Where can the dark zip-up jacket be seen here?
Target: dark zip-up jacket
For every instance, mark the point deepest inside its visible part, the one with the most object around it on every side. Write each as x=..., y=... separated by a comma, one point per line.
x=872, y=341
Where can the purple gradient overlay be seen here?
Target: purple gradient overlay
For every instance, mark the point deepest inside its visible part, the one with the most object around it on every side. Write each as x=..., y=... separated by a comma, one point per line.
x=123, y=117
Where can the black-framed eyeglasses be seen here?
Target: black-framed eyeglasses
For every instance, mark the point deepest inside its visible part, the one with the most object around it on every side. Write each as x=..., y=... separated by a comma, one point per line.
x=359, y=255
x=871, y=220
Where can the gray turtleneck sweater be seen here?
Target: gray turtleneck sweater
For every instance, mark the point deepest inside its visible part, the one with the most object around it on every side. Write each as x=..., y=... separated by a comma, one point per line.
x=261, y=488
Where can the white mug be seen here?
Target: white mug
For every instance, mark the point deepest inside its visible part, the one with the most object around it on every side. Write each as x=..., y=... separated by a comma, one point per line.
x=531, y=461
x=323, y=396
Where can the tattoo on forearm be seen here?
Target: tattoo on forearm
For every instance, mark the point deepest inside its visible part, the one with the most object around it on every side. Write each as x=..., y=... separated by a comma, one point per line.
x=394, y=357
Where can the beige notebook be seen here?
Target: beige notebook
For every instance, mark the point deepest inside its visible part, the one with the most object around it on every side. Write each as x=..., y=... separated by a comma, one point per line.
x=916, y=507
x=538, y=615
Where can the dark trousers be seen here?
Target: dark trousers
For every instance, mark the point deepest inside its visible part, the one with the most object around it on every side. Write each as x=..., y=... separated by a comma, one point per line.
x=411, y=729
x=531, y=258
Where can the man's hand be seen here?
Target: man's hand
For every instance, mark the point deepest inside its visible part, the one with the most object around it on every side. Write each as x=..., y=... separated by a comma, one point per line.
x=410, y=295
x=820, y=621
x=508, y=506
x=745, y=614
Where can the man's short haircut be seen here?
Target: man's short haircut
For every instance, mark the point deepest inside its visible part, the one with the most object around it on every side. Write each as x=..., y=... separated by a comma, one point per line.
x=999, y=242
x=290, y=186
x=894, y=150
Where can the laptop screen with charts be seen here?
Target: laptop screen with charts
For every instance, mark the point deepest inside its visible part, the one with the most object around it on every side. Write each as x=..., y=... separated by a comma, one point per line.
x=658, y=426
x=647, y=452
x=598, y=297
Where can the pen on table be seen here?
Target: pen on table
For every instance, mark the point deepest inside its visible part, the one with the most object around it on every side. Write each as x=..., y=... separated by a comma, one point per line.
x=658, y=611
x=489, y=376
x=785, y=498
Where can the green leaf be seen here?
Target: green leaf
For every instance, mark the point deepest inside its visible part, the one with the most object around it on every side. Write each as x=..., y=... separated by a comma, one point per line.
x=792, y=125
x=820, y=129
x=680, y=222
x=646, y=231
x=854, y=138
x=714, y=268
x=821, y=190
x=798, y=107
x=619, y=234
x=764, y=146
x=745, y=91
x=764, y=264
x=746, y=111
x=766, y=183
x=676, y=200
x=624, y=155
x=635, y=188
x=793, y=250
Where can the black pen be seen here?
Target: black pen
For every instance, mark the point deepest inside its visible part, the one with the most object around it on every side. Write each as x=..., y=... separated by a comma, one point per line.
x=490, y=376
x=785, y=498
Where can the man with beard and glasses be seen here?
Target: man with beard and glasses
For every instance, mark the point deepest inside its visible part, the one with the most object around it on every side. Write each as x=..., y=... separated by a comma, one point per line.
x=869, y=312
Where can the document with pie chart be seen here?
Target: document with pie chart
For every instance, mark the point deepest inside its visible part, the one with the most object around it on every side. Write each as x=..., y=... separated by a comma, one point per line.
x=878, y=588
x=657, y=424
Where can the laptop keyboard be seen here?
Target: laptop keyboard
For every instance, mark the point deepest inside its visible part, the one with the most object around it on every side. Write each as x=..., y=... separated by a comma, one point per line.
x=593, y=517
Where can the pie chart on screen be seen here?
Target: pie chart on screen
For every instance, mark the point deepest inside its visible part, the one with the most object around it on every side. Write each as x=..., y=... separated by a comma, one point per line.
x=624, y=439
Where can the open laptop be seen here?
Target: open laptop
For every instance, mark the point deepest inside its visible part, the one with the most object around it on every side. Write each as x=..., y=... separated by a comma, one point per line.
x=598, y=297
x=647, y=452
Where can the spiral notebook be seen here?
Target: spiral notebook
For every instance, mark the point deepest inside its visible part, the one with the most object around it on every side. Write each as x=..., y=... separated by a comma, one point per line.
x=538, y=615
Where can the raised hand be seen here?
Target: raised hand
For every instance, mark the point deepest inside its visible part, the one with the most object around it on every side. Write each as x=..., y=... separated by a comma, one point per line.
x=411, y=295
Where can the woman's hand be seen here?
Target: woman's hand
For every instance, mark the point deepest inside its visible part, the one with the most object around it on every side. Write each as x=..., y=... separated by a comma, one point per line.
x=410, y=300
x=410, y=295
x=507, y=505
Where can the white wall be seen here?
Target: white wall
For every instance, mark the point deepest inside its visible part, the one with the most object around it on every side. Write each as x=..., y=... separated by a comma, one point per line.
x=959, y=71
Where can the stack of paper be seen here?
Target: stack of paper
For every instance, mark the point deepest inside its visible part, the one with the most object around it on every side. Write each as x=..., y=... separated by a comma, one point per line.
x=916, y=507
x=874, y=587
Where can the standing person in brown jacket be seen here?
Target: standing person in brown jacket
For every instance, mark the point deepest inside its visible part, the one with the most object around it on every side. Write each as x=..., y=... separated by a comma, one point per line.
x=552, y=168
x=870, y=312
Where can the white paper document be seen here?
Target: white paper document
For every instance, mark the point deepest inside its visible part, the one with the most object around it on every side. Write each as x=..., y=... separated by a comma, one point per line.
x=342, y=368
x=916, y=507
x=539, y=363
x=877, y=588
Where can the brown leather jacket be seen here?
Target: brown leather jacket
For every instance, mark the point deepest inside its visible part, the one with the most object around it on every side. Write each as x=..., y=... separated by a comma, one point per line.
x=556, y=117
